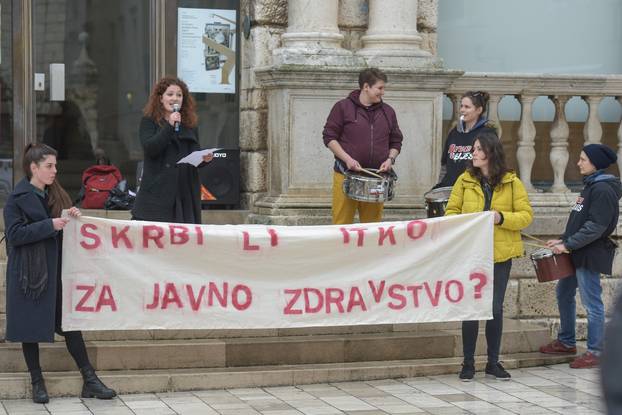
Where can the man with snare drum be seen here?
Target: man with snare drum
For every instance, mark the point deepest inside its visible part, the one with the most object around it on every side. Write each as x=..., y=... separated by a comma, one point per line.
x=593, y=218
x=362, y=132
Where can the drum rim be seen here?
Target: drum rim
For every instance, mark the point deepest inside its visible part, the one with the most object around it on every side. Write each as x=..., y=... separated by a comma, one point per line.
x=428, y=195
x=385, y=176
x=368, y=179
x=542, y=253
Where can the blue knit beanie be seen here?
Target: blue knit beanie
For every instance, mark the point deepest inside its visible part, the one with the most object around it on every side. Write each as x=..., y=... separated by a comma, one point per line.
x=600, y=155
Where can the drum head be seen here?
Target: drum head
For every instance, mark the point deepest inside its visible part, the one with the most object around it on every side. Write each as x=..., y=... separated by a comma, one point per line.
x=541, y=253
x=440, y=194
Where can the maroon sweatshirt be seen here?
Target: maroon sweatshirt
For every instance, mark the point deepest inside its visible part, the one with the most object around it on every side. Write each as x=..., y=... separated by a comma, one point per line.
x=365, y=133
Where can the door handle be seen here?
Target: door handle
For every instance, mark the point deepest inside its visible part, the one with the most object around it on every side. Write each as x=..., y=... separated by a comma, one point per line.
x=57, y=82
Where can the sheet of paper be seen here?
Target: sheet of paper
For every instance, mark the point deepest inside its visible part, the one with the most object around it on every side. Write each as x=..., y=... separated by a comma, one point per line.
x=196, y=157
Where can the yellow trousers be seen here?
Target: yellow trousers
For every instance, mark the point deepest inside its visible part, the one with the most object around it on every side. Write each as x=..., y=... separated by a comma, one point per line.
x=344, y=208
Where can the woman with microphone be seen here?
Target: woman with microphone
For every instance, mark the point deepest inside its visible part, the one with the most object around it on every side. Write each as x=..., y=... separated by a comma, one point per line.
x=169, y=192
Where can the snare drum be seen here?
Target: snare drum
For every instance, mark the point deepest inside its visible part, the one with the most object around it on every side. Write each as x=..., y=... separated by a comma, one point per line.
x=367, y=188
x=550, y=266
x=436, y=201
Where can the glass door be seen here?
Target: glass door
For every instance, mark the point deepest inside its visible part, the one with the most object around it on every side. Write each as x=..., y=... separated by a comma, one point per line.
x=91, y=71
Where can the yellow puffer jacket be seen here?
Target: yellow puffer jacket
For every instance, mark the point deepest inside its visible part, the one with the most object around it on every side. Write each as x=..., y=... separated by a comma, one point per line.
x=509, y=198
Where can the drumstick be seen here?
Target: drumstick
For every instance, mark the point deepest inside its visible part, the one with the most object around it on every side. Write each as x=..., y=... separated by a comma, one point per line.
x=371, y=173
x=534, y=245
x=532, y=237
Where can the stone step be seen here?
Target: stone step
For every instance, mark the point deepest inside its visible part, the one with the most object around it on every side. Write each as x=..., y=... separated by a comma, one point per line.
x=237, y=333
x=277, y=350
x=17, y=385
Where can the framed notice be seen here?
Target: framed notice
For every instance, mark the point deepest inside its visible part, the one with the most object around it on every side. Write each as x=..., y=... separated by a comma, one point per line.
x=206, y=55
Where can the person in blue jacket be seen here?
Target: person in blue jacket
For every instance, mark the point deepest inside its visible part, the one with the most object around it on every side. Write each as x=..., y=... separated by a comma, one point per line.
x=33, y=228
x=593, y=218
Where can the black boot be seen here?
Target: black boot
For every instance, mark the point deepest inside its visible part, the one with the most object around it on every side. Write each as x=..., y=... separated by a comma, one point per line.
x=93, y=387
x=39, y=393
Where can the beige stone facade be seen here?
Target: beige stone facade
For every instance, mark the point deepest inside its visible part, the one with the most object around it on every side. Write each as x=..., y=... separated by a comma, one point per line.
x=269, y=20
x=287, y=91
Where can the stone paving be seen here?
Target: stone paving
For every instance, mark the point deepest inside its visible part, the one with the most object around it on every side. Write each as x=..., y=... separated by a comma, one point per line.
x=541, y=390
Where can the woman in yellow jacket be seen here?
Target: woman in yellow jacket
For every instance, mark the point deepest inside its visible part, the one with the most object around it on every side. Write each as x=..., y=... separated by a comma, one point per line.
x=487, y=184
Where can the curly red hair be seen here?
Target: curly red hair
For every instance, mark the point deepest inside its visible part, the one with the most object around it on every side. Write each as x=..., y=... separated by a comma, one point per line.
x=155, y=110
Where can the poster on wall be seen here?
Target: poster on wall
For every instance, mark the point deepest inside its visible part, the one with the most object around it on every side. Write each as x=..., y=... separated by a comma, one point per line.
x=206, y=40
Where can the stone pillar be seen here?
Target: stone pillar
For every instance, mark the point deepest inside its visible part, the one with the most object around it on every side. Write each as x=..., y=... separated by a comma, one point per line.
x=592, y=130
x=493, y=112
x=300, y=167
x=455, y=115
x=526, y=152
x=392, y=39
x=313, y=37
x=311, y=71
x=455, y=101
x=559, y=144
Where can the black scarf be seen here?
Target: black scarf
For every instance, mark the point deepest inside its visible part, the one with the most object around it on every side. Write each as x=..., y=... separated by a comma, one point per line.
x=33, y=269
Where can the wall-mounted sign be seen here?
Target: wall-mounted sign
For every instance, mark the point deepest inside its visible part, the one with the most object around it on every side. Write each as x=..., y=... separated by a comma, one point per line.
x=206, y=40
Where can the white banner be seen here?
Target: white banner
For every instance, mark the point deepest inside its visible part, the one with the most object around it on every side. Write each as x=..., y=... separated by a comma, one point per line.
x=122, y=275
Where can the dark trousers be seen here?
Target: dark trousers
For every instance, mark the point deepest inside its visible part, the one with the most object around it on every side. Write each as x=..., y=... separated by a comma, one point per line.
x=75, y=346
x=494, y=327
x=73, y=339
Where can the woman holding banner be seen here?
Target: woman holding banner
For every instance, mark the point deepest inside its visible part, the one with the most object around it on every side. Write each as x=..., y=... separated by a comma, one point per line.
x=488, y=185
x=33, y=288
x=169, y=192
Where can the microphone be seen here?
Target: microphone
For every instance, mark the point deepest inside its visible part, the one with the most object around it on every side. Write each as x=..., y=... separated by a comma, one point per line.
x=176, y=109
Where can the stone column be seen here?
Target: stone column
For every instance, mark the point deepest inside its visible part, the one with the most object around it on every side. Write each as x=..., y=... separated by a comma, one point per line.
x=455, y=116
x=313, y=37
x=493, y=112
x=526, y=153
x=392, y=39
x=300, y=167
x=559, y=144
x=592, y=130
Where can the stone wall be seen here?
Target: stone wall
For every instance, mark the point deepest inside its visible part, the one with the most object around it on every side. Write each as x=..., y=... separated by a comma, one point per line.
x=268, y=22
x=529, y=300
x=268, y=19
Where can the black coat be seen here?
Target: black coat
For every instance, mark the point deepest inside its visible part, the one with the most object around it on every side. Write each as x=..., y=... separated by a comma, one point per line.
x=27, y=220
x=593, y=218
x=160, y=187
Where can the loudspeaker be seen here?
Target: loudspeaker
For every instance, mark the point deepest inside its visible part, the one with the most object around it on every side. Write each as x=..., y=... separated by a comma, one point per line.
x=220, y=179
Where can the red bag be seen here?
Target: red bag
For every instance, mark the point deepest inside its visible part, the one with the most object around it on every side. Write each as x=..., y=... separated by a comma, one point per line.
x=97, y=182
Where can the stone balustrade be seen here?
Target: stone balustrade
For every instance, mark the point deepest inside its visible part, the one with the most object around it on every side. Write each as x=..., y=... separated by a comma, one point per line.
x=526, y=88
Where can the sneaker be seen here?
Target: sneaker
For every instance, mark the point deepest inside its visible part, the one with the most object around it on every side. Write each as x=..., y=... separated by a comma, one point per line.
x=497, y=371
x=557, y=347
x=585, y=361
x=467, y=372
